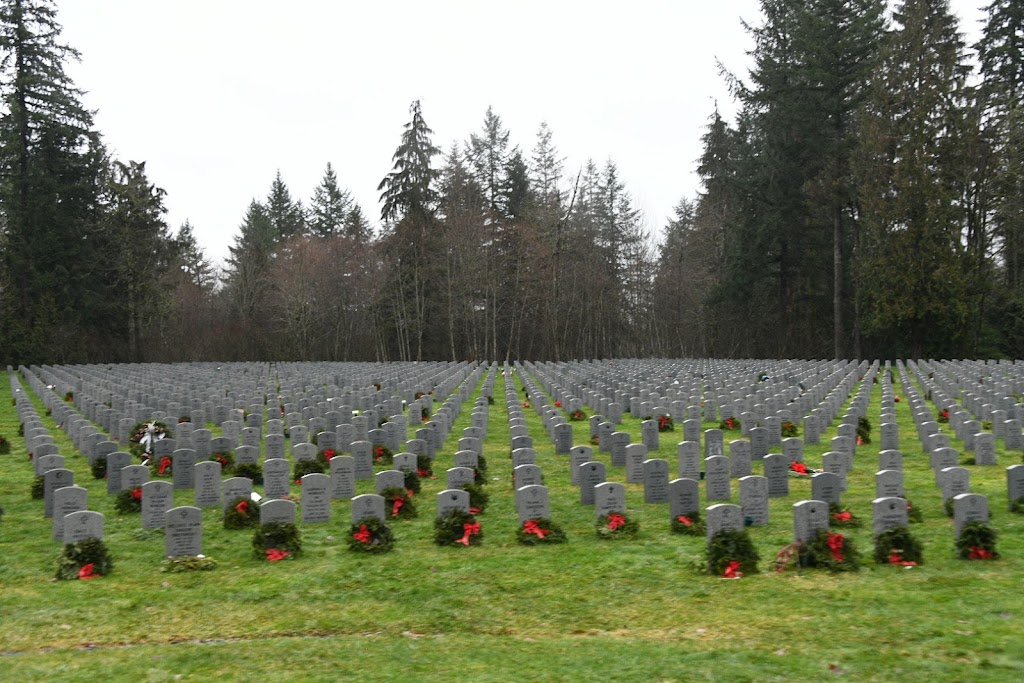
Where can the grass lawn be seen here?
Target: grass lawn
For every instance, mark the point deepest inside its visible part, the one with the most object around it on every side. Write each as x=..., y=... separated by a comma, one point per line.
x=585, y=610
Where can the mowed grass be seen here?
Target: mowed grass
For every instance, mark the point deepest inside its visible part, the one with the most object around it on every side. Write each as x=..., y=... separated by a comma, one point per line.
x=585, y=610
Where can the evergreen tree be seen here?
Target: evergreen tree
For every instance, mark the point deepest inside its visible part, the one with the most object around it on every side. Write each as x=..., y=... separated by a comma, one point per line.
x=329, y=209
x=409, y=187
x=191, y=259
x=356, y=225
x=488, y=156
x=248, y=265
x=285, y=214
x=51, y=162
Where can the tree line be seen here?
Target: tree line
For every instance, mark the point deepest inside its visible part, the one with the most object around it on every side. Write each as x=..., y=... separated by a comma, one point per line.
x=867, y=200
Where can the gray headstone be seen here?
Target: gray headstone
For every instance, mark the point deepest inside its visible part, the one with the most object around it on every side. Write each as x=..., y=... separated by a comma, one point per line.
x=234, y=488
x=368, y=506
x=452, y=499
x=636, y=453
x=740, y=459
x=683, y=497
x=609, y=497
x=1014, y=483
x=457, y=477
x=655, y=480
x=619, y=441
x=754, y=499
x=183, y=531
x=776, y=471
x=808, y=517
x=53, y=480
x=969, y=507
x=577, y=456
x=183, y=463
x=716, y=482
x=81, y=525
x=157, y=499
x=277, y=512
x=889, y=484
x=591, y=474
x=889, y=513
x=953, y=481
x=343, y=477
x=526, y=475
x=362, y=453
x=890, y=460
x=532, y=503
x=985, y=448
x=826, y=486
x=276, y=477
x=66, y=500
x=316, y=498
x=723, y=517
x=689, y=460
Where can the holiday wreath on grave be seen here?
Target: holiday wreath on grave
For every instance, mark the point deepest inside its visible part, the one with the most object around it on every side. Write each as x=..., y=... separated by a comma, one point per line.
x=179, y=564
x=577, y=416
x=304, y=467
x=250, y=470
x=863, y=431
x=164, y=467
x=275, y=541
x=5, y=445
x=98, y=468
x=226, y=460
x=241, y=513
x=86, y=559
x=616, y=526
x=729, y=424
x=412, y=482
x=789, y=429
x=38, y=490
x=832, y=551
x=129, y=501
x=370, y=535
x=400, y=503
x=144, y=436
x=689, y=524
x=539, y=531
x=914, y=515
x=1017, y=506
x=897, y=546
x=382, y=455
x=666, y=423
x=424, y=467
x=325, y=456
x=731, y=554
x=943, y=417
x=977, y=542
x=456, y=527
x=840, y=516
x=478, y=497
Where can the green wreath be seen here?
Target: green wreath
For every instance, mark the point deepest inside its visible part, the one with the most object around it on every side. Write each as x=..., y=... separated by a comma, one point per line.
x=139, y=431
x=5, y=445
x=616, y=526
x=129, y=501
x=370, y=535
x=914, y=515
x=478, y=497
x=897, y=546
x=841, y=517
x=689, y=525
x=241, y=513
x=226, y=460
x=179, y=564
x=382, y=455
x=831, y=551
x=38, y=489
x=456, y=527
x=730, y=546
x=276, y=536
x=250, y=470
x=304, y=467
x=98, y=468
x=977, y=542
x=400, y=502
x=424, y=467
x=540, y=531
x=412, y=482
x=85, y=559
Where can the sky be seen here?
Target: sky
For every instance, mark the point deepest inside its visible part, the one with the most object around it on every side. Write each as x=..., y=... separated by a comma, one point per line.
x=217, y=96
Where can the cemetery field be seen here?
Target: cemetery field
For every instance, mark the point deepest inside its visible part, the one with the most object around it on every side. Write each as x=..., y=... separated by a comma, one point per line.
x=588, y=609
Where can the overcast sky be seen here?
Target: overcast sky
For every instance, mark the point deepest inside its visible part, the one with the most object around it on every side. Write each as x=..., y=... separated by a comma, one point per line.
x=217, y=95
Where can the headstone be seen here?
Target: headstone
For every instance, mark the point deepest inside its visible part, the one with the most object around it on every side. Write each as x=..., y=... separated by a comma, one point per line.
x=234, y=488
x=890, y=436
x=343, y=477
x=457, y=477
x=619, y=442
x=276, y=477
x=776, y=471
x=277, y=512
x=452, y=499
x=526, y=475
x=1014, y=484
x=563, y=438
x=740, y=459
x=116, y=461
x=81, y=525
x=808, y=517
x=362, y=453
x=714, y=442
x=689, y=460
x=591, y=474
x=969, y=507
x=890, y=460
x=889, y=484
x=609, y=497
x=683, y=497
x=889, y=513
x=53, y=480
x=66, y=500
x=636, y=453
x=954, y=481
x=655, y=480
x=835, y=463
x=207, y=477
x=532, y=503
x=723, y=517
x=758, y=443
x=183, y=462
x=985, y=448
x=157, y=499
x=716, y=480
x=368, y=506
x=649, y=434
x=577, y=456
x=316, y=498
x=183, y=531
x=754, y=500
x=826, y=486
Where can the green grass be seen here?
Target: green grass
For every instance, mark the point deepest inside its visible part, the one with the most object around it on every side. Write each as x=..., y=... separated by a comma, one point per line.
x=584, y=610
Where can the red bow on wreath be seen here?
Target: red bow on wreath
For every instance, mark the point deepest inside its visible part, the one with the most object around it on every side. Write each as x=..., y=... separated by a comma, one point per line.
x=615, y=520
x=979, y=553
x=683, y=519
x=273, y=554
x=469, y=529
x=732, y=571
x=396, y=506
x=531, y=527
x=86, y=572
x=835, y=545
x=363, y=535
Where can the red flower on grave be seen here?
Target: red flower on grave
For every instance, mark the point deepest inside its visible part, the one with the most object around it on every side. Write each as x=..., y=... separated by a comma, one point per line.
x=165, y=464
x=378, y=453
x=860, y=441
x=468, y=529
x=424, y=418
x=558, y=404
x=896, y=558
x=526, y=404
x=243, y=507
x=615, y=520
x=273, y=554
x=732, y=571
x=683, y=519
x=530, y=526
x=363, y=535
x=836, y=543
x=329, y=453
x=663, y=421
x=86, y=572
x=474, y=511
x=396, y=505
x=137, y=493
x=979, y=553
x=844, y=516
x=422, y=472
x=798, y=467
x=945, y=414
x=896, y=399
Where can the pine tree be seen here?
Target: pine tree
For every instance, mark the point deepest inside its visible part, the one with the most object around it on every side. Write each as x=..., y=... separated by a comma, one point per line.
x=51, y=161
x=488, y=156
x=285, y=214
x=409, y=187
x=356, y=226
x=191, y=259
x=330, y=206
x=248, y=266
